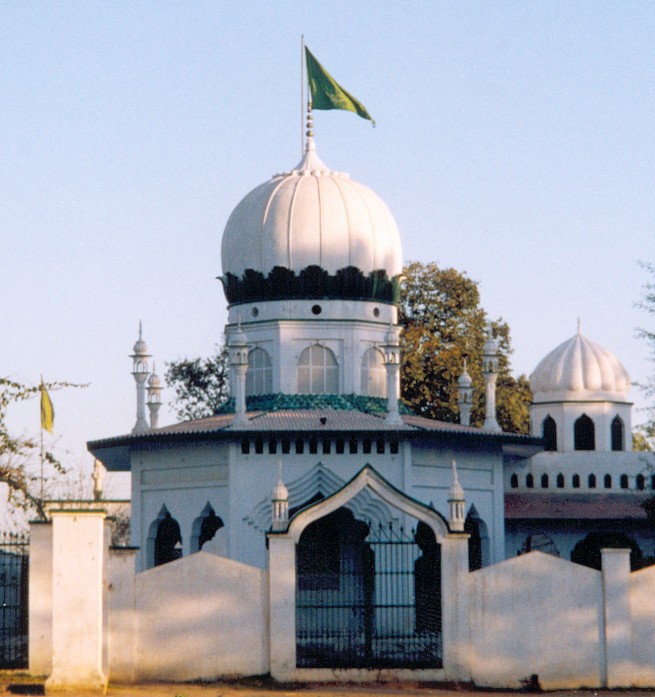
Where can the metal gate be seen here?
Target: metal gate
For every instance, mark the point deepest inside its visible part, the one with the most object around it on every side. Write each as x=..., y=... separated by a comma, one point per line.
x=14, y=563
x=367, y=596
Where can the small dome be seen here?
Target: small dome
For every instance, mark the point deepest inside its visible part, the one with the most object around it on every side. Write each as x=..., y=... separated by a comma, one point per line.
x=579, y=369
x=154, y=380
x=311, y=216
x=464, y=380
x=280, y=492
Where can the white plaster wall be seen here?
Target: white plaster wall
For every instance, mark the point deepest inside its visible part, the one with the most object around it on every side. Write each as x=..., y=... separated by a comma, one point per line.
x=121, y=615
x=201, y=617
x=481, y=476
x=536, y=614
x=566, y=413
x=642, y=610
x=40, y=599
x=183, y=479
x=582, y=463
x=285, y=328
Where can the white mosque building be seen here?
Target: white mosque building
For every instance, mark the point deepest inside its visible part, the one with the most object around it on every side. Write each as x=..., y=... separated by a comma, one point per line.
x=363, y=518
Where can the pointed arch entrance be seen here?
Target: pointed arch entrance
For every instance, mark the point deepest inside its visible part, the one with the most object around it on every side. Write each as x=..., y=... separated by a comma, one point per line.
x=366, y=593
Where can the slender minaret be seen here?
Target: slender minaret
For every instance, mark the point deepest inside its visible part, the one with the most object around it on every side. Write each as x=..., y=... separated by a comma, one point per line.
x=456, y=503
x=490, y=373
x=140, y=374
x=465, y=397
x=154, y=396
x=279, y=503
x=391, y=350
x=238, y=358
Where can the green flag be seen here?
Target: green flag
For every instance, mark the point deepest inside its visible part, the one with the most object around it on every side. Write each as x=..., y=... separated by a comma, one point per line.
x=47, y=410
x=327, y=93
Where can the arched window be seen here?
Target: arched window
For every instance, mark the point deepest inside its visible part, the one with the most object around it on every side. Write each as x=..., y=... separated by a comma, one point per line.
x=549, y=432
x=544, y=481
x=640, y=482
x=164, y=539
x=624, y=481
x=575, y=481
x=478, y=540
x=529, y=481
x=607, y=481
x=592, y=481
x=584, y=434
x=617, y=433
x=374, y=374
x=560, y=481
x=318, y=372
x=259, y=378
x=205, y=527
x=514, y=481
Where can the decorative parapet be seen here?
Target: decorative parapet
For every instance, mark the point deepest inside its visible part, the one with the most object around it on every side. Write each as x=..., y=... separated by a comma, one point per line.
x=311, y=283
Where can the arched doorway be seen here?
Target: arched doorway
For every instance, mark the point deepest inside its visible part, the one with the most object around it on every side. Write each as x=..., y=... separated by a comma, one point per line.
x=588, y=551
x=367, y=595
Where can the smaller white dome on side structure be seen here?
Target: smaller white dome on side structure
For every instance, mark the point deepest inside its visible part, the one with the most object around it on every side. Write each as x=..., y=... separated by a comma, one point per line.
x=579, y=370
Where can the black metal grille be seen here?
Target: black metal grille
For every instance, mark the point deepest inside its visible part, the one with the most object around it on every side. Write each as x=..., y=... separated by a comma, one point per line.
x=367, y=596
x=14, y=562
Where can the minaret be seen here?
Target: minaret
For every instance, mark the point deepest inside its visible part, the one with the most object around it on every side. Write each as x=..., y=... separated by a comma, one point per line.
x=465, y=397
x=238, y=358
x=279, y=503
x=140, y=374
x=391, y=350
x=490, y=373
x=456, y=503
x=154, y=396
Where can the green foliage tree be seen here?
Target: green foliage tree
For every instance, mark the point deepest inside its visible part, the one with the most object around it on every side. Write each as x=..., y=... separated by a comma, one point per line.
x=19, y=454
x=443, y=325
x=647, y=304
x=201, y=384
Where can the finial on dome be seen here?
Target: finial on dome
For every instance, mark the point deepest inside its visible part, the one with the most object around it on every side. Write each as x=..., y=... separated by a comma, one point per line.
x=309, y=144
x=579, y=326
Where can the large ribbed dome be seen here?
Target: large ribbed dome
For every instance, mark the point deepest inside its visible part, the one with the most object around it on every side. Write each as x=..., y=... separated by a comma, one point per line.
x=579, y=369
x=311, y=216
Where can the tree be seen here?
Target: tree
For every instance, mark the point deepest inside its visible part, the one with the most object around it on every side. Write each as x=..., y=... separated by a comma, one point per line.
x=201, y=384
x=19, y=453
x=647, y=304
x=443, y=325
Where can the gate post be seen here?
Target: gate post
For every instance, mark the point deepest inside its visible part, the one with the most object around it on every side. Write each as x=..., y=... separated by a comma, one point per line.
x=78, y=607
x=455, y=603
x=40, y=598
x=282, y=606
x=618, y=623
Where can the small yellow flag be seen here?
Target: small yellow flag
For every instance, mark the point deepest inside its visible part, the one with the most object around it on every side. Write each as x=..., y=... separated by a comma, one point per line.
x=47, y=410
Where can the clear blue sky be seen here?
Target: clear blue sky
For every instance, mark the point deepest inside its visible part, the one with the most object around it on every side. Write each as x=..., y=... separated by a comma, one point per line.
x=515, y=141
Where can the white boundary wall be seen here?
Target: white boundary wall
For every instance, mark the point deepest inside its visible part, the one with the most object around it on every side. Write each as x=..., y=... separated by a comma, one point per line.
x=205, y=616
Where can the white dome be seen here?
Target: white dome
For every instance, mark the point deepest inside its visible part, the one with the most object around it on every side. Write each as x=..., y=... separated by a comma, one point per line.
x=579, y=369
x=311, y=216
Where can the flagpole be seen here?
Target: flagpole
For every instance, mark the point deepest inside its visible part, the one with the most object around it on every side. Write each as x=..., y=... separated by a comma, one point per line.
x=42, y=466
x=302, y=94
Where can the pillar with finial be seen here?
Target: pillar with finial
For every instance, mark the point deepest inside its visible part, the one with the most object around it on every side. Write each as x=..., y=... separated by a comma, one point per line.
x=456, y=503
x=238, y=359
x=391, y=348
x=279, y=503
x=154, y=396
x=465, y=397
x=490, y=373
x=140, y=374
